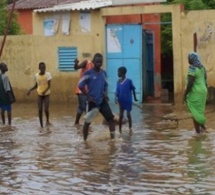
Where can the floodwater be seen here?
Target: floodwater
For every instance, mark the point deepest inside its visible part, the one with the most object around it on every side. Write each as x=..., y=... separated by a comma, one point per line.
x=157, y=157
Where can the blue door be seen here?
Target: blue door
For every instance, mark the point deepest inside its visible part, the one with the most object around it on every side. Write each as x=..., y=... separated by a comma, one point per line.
x=124, y=48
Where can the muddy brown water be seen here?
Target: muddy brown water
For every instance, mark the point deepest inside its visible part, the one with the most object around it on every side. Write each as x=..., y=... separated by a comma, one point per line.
x=157, y=157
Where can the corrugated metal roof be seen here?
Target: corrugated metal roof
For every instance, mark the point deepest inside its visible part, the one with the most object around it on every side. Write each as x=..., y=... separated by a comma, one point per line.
x=124, y=2
x=82, y=5
x=53, y=4
x=37, y=4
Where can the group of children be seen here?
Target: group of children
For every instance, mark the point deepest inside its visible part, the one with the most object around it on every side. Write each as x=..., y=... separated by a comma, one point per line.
x=42, y=84
x=91, y=91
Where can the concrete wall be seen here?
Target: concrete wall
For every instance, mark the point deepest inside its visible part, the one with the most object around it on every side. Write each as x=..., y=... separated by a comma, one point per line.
x=23, y=53
x=202, y=23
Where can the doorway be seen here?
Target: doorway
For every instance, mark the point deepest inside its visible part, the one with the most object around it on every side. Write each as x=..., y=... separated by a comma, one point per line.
x=124, y=48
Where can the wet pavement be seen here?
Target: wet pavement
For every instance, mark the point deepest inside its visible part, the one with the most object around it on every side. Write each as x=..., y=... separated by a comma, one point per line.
x=157, y=157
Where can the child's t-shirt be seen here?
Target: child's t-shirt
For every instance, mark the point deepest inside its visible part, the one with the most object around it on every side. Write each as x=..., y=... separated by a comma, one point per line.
x=96, y=83
x=124, y=93
x=6, y=82
x=5, y=87
x=42, y=83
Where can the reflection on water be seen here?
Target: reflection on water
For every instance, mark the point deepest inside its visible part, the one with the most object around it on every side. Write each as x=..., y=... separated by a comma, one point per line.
x=149, y=160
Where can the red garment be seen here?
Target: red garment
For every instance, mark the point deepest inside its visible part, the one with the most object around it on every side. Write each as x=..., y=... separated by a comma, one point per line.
x=89, y=65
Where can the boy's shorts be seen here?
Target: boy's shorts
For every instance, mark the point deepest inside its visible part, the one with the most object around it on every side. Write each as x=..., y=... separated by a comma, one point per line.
x=104, y=109
x=6, y=107
x=82, y=103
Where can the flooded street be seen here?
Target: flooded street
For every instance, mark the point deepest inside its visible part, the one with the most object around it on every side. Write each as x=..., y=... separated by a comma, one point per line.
x=157, y=157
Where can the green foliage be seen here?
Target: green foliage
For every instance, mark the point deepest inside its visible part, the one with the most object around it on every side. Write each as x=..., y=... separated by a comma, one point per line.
x=209, y=3
x=4, y=16
x=166, y=40
x=193, y=4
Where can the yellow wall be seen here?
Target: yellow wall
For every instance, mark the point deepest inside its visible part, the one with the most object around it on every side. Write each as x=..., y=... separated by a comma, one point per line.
x=86, y=42
x=23, y=53
x=202, y=23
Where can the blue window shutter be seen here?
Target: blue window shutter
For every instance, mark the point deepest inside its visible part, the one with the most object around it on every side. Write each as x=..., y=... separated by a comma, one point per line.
x=66, y=57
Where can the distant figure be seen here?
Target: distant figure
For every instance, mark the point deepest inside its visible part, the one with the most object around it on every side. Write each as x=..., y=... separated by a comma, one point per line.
x=43, y=85
x=123, y=96
x=82, y=98
x=96, y=81
x=6, y=94
x=196, y=92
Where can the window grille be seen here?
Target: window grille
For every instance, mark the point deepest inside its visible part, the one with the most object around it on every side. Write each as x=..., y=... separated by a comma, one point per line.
x=66, y=57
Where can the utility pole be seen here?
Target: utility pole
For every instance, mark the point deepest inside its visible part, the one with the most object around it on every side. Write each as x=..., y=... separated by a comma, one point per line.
x=195, y=42
x=7, y=27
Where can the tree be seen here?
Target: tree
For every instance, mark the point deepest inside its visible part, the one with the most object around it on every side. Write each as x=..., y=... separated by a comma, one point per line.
x=14, y=28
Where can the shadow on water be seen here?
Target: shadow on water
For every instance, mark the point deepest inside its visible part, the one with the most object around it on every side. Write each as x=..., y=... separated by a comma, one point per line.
x=153, y=158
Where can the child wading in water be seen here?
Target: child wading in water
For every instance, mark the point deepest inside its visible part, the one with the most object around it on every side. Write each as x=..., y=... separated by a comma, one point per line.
x=96, y=81
x=82, y=98
x=6, y=94
x=43, y=85
x=123, y=96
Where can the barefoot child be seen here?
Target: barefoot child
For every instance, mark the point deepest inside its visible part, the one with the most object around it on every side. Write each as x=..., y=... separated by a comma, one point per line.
x=43, y=85
x=96, y=81
x=123, y=96
x=82, y=98
x=6, y=94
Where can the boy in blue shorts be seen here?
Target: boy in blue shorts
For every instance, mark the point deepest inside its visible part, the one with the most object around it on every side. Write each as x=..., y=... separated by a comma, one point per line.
x=6, y=94
x=96, y=81
x=123, y=96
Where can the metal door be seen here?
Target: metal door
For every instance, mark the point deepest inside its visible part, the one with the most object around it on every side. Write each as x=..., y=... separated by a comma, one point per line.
x=124, y=48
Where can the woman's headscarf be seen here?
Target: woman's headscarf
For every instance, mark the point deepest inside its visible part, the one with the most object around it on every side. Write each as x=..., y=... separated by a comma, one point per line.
x=194, y=60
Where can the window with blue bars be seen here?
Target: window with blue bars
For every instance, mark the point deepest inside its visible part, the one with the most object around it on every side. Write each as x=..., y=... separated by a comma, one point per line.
x=66, y=57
